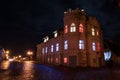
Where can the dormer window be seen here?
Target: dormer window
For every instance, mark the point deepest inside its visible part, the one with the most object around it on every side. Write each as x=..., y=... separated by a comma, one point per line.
x=81, y=28
x=46, y=39
x=55, y=34
x=73, y=28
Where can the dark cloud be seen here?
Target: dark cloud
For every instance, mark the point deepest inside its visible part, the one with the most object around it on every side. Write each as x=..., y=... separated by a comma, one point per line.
x=24, y=22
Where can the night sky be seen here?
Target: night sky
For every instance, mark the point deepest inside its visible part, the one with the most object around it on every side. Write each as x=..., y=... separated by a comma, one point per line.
x=23, y=23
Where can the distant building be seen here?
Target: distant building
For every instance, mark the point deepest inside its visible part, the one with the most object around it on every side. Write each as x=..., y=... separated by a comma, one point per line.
x=80, y=43
x=2, y=54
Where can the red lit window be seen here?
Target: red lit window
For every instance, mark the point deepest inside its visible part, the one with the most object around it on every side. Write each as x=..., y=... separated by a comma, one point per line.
x=56, y=60
x=65, y=60
x=66, y=29
x=81, y=28
x=97, y=33
x=98, y=47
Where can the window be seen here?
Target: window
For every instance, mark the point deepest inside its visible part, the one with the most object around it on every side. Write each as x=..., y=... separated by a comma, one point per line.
x=81, y=28
x=81, y=44
x=46, y=49
x=48, y=59
x=65, y=60
x=57, y=47
x=97, y=33
x=56, y=60
x=98, y=47
x=46, y=39
x=52, y=48
x=66, y=29
x=73, y=28
x=93, y=32
x=65, y=44
x=43, y=50
x=55, y=34
x=93, y=46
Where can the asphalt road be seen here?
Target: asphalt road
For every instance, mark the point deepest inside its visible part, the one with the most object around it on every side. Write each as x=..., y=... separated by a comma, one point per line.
x=29, y=70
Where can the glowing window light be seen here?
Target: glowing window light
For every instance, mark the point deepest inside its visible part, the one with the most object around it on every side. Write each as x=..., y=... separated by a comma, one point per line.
x=66, y=29
x=93, y=46
x=57, y=47
x=97, y=33
x=52, y=47
x=72, y=28
x=43, y=50
x=81, y=44
x=55, y=34
x=98, y=47
x=107, y=55
x=65, y=60
x=65, y=44
x=81, y=28
x=93, y=32
x=56, y=60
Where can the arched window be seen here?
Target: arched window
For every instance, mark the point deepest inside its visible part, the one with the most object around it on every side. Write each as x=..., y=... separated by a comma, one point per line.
x=73, y=27
x=81, y=28
x=66, y=29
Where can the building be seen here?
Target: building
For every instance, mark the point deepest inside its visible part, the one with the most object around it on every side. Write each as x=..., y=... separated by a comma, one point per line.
x=79, y=43
x=2, y=54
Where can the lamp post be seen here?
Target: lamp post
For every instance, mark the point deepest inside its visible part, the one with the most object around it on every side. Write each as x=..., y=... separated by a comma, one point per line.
x=30, y=54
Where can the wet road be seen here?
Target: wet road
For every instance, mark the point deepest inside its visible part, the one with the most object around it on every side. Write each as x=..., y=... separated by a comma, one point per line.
x=29, y=70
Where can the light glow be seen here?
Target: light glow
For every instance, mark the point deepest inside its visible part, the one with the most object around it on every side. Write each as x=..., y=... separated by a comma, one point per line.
x=65, y=60
x=107, y=55
x=81, y=44
x=72, y=28
x=66, y=29
x=81, y=28
x=65, y=44
x=93, y=46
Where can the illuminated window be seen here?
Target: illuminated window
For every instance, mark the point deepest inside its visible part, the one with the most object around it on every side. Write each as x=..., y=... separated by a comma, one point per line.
x=57, y=47
x=93, y=32
x=73, y=28
x=65, y=44
x=66, y=29
x=46, y=39
x=81, y=28
x=43, y=50
x=65, y=60
x=55, y=33
x=93, y=46
x=98, y=47
x=56, y=60
x=107, y=55
x=81, y=44
x=52, y=47
x=46, y=49
x=97, y=33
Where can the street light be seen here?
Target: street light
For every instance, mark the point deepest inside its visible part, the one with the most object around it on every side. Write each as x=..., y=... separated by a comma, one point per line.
x=7, y=54
x=30, y=54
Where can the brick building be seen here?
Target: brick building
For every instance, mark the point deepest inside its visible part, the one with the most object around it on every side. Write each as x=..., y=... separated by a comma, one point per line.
x=79, y=43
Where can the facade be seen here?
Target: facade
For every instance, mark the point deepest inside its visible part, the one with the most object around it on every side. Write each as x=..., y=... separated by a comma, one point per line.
x=80, y=43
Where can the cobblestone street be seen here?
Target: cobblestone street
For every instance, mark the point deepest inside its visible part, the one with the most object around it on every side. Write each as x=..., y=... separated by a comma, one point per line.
x=31, y=71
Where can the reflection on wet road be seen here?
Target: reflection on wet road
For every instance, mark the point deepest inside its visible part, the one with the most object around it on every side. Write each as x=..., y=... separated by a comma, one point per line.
x=28, y=70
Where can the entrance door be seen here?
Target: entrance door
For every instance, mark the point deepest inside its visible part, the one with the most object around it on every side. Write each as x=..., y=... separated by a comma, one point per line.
x=72, y=61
